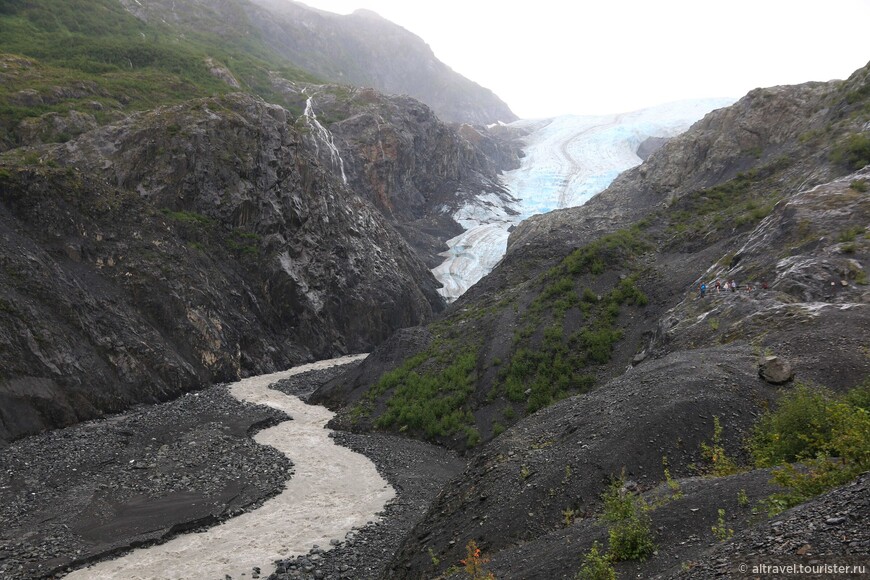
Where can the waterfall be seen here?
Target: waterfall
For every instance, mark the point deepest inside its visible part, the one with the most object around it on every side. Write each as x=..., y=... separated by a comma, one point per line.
x=322, y=135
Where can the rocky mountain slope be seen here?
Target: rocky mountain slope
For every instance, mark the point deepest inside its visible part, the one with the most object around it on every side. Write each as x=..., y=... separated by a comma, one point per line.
x=182, y=246
x=361, y=49
x=416, y=169
x=211, y=237
x=365, y=50
x=771, y=192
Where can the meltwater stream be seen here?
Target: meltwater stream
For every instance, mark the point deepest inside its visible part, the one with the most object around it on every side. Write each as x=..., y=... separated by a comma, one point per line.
x=332, y=491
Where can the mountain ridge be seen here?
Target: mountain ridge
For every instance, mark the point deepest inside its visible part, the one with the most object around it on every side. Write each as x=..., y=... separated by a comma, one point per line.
x=530, y=364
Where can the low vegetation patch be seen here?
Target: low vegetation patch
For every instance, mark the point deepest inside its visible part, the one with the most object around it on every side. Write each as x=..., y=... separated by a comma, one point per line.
x=548, y=363
x=816, y=439
x=188, y=217
x=717, y=462
x=244, y=243
x=596, y=566
x=107, y=59
x=720, y=531
x=435, y=403
x=629, y=533
x=474, y=564
x=739, y=202
x=853, y=152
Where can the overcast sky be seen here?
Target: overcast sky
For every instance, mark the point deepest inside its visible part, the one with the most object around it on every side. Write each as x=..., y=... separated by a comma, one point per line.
x=551, y=57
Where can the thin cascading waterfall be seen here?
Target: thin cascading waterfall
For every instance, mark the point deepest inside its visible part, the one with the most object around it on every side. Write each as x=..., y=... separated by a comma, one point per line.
x=322, y=135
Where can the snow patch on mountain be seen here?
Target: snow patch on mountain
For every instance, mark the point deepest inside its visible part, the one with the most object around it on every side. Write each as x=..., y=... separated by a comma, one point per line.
x=568, y=159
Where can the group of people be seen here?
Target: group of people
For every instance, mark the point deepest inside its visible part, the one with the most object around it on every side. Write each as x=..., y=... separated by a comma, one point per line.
x=727, y=285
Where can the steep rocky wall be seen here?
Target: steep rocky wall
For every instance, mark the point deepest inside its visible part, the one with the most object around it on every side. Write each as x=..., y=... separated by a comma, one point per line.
x=186, y=245
x=395, y=151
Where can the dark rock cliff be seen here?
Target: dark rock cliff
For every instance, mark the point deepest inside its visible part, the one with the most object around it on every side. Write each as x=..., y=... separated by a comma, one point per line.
x=394, y=150
x=182, y=246
x=415, y=168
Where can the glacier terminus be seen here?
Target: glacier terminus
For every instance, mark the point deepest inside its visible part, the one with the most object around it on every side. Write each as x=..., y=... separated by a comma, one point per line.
x=568, y=159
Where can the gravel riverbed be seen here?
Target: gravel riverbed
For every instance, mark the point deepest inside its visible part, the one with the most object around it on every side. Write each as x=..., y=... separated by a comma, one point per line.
x=87, y=492
x=93, y=491
x=416, y=470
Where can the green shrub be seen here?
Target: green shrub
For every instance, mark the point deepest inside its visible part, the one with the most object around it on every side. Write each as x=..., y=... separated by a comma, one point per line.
x=619, y=503
x=599, y=343
x=631, y=539
x=589, y=296
x=853, y=152
x=859, y=185
x=720, y=531
x=559, y=287
x=596, y=566
x=629, y=531
x=434, y=403
x=472, y=436
x=627, y=292
x=859, y=397
x=828, y=434
x=798, y=429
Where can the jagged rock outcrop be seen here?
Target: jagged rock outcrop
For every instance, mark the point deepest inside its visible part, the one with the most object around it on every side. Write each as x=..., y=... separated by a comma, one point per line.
x=54, y=127
x=182, y=246
x=394, y=150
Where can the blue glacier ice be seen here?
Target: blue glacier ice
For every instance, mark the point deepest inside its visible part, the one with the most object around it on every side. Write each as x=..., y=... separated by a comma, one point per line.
x=568, y=159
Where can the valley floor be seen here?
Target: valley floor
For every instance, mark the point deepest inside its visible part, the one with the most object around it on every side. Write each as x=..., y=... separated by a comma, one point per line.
x=83, y=494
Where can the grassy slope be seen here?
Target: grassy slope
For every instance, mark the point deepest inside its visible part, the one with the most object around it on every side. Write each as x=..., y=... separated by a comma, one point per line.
x=81, y=52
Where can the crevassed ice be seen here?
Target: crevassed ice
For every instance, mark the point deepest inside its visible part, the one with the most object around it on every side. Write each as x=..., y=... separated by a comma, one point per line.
x=567, y=160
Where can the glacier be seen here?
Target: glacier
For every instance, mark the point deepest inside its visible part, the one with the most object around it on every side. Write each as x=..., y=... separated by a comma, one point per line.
x=568, y=159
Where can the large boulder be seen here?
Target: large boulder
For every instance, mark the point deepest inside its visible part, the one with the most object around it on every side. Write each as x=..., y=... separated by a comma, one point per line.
x=775, y=370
